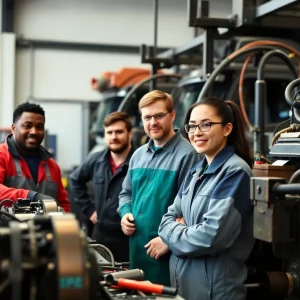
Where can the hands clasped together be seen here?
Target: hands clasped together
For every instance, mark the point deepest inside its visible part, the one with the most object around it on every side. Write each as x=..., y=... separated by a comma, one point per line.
x=156, y=247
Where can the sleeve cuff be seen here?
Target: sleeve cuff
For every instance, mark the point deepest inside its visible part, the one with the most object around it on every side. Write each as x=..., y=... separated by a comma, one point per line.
x=126, y=208
x=89, y=211
x=31, y=195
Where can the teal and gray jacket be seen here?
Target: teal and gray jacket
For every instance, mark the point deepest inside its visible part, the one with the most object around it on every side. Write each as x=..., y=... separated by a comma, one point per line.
x=151, y=185
x=210, y=249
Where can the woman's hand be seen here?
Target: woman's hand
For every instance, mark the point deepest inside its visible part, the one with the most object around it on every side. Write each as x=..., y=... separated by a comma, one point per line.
x=180, y=220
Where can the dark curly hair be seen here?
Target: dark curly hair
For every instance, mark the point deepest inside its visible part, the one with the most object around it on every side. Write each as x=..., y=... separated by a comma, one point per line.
x=27, y=107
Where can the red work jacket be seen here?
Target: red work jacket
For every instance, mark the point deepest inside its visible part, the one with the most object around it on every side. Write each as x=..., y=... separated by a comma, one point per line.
x=16, y=183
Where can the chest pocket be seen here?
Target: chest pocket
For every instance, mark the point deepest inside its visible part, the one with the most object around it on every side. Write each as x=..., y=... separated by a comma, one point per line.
x=185, y=190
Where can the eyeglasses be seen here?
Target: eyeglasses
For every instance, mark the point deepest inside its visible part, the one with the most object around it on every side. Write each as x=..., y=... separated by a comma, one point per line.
x=191, y=128
x=156, y=117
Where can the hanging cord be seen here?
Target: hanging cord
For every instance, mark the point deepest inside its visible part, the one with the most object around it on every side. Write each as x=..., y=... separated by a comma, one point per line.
x=241, y=96
x=276, y=128
x=249, y=48
x=277, y=135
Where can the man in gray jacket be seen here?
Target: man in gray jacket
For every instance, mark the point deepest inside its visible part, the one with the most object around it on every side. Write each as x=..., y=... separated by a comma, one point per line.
x=107, y=170
x=156, y=172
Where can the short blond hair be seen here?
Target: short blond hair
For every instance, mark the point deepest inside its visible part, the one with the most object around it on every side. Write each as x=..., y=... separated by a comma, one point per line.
x=155, y=96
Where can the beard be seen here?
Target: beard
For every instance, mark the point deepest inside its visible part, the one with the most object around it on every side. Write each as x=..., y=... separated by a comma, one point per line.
x=120, y=149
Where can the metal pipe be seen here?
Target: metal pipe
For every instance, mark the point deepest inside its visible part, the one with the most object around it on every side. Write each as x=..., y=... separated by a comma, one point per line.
x=31, y=73
x=224, y=63
x=155, y=25
x=288, y=93
x=291, y=188
x=295, y=177
x=261, y=96
x=152, y=85
x=259, y=121
x=280, y=54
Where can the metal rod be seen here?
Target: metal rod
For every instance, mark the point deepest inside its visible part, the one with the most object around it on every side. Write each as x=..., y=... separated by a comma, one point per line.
x=155, y=25
x=251, y=286
x=260, y=100
x=208, y=53
x=31, y=73
x=152, y=85
x=271, y=7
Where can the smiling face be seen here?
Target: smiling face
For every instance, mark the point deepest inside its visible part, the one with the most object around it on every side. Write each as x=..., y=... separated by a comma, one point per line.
x=159, y=129
x=210, y=142
x=28, y=132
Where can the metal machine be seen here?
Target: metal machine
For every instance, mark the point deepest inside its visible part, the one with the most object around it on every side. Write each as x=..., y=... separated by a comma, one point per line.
x=276, y=210
x=44, y=256
x=228, y=54
x=274, y=265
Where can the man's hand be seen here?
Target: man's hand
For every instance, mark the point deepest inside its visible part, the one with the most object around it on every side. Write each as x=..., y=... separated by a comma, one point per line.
x=93, y=217
x=156, y=248
x=127, y=224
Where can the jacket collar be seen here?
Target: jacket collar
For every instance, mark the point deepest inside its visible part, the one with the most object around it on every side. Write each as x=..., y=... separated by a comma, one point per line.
x=12, y=149
x=217, y=162
x=169, y=146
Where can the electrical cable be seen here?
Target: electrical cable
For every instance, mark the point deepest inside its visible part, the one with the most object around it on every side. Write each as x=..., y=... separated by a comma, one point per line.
x=241, y=96
x=242, y=75
x=251, y=47
x=268, y=43
x=139, y=84
x=275, y=137
x=280, y=54
x=224, y=63
x=276, y=128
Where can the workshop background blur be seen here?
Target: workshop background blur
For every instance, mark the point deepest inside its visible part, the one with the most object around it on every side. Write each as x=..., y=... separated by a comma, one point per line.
x=53, y=53
x=83, y=59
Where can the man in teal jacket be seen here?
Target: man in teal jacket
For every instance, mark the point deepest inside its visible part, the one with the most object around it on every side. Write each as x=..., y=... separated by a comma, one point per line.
x=156, y=171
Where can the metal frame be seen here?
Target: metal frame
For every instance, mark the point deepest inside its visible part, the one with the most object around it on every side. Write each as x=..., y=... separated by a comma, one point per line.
x=268, y=19
x=272, y=7
x=77, y=46
x=7, y=16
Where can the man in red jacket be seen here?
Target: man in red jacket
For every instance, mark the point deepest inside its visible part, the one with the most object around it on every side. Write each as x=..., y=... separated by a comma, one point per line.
x=27, y=170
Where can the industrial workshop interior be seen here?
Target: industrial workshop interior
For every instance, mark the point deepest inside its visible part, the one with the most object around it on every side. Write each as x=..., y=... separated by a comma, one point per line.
x=150, y=149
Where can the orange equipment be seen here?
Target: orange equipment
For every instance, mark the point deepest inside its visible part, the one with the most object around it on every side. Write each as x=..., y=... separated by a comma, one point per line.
x=121, y=78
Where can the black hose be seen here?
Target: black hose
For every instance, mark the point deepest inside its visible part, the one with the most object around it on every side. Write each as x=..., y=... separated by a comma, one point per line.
x=295, y=177
x=280, y=54
x=288, y=93
x=261, y=94
x=224, y=63
x=283, y=189
x=139, y=84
